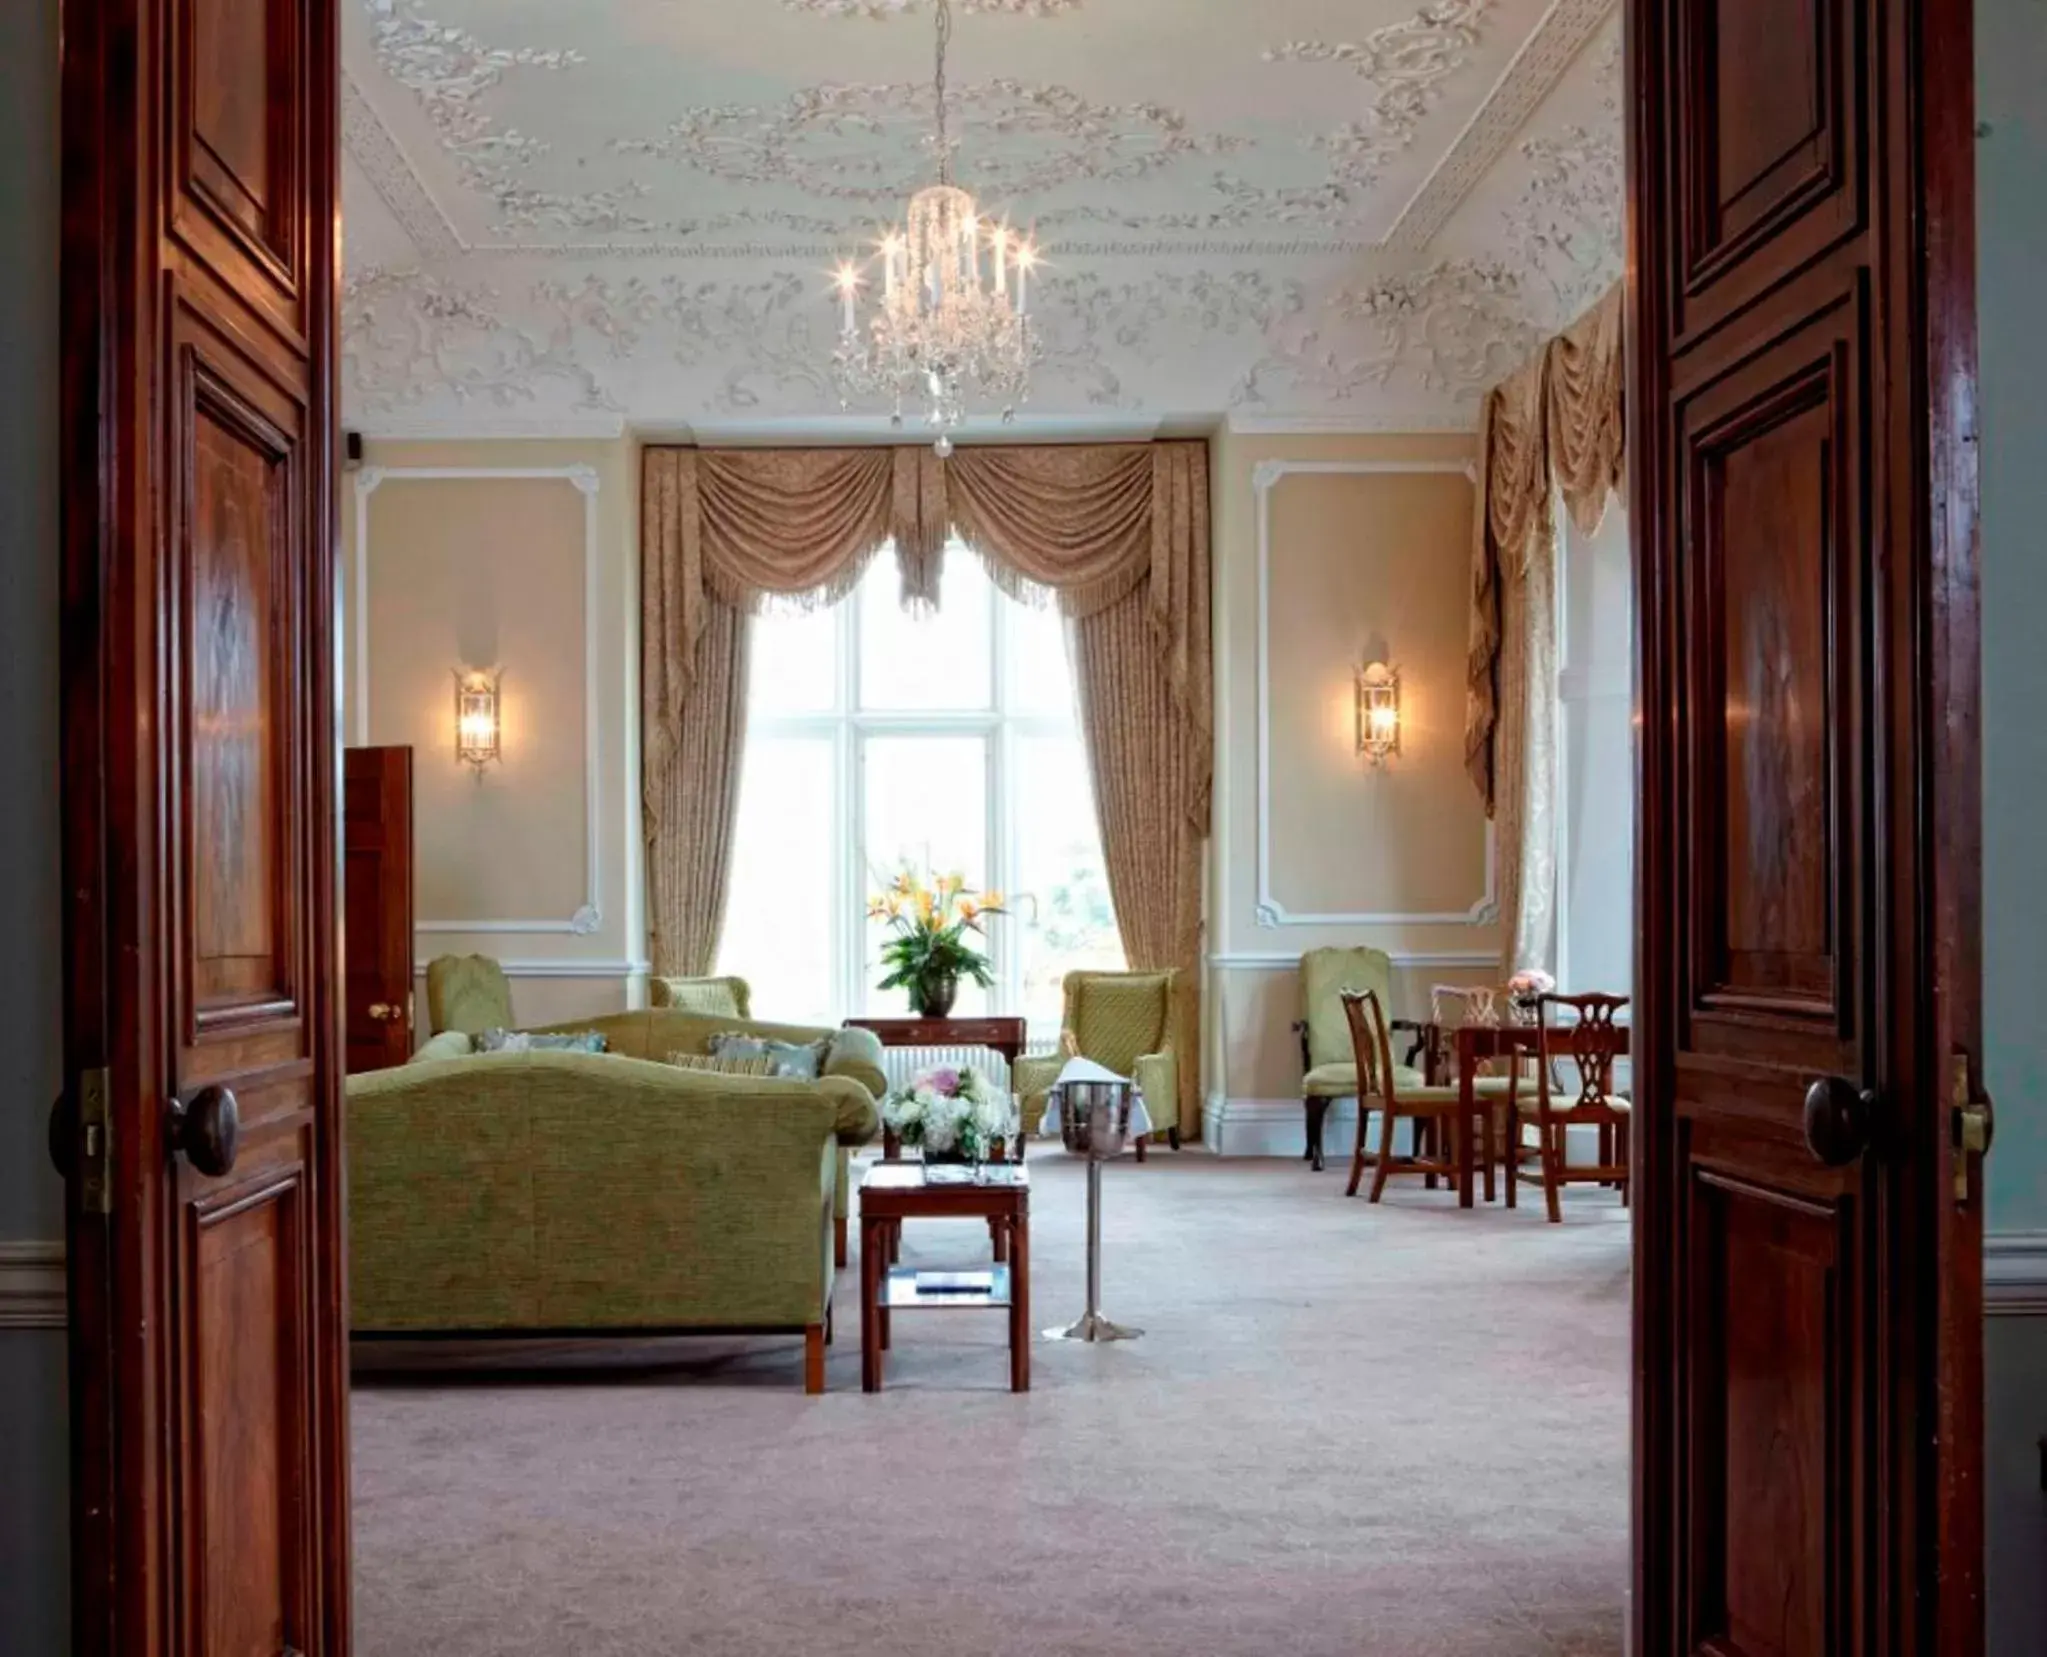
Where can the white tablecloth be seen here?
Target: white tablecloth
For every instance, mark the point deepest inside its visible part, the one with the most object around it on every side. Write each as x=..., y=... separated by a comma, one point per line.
x=1086, y=1070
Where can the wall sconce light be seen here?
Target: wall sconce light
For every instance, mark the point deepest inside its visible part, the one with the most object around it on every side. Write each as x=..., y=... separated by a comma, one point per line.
x=477, y=729
x=1378, y=712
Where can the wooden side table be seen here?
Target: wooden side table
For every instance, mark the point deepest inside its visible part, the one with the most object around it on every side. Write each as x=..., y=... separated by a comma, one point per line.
x=1002, y=1034
x=893, y=1192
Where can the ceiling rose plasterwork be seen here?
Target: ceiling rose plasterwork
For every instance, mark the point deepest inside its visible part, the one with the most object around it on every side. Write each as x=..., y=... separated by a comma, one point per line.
x=865, y=143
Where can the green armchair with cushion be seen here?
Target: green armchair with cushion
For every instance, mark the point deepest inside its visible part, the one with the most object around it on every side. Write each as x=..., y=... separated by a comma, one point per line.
x=1123, y=1020
x=468, y=993
x=727, y=997
x=528, y=1192
x=1329, y=1068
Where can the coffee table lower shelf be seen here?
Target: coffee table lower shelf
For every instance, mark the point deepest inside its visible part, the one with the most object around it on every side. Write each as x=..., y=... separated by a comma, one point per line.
x=899, y=1293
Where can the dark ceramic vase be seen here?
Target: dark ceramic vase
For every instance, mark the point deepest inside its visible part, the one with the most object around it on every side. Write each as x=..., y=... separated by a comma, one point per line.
x=932, y=996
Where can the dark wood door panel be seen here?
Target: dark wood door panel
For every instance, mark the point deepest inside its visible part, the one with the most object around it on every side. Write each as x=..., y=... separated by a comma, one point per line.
x=239, y=110
x=1772, y=458
x=1769, y=159
x=247, y=1392
x=238, y=783
x=377, y=893
x=1771, y=1348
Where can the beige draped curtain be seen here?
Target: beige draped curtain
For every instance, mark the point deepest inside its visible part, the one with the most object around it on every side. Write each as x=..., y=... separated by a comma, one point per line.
x=1552, y=432
x=1117, y=535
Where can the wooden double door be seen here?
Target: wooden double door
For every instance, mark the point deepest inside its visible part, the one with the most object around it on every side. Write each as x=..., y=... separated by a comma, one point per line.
x=1807, y=1338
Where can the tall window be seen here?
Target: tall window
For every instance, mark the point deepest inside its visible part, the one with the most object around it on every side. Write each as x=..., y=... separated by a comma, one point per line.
x=948, y=741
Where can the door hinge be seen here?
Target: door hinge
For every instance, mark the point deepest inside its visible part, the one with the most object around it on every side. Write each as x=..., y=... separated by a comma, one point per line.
x=1975, y=1126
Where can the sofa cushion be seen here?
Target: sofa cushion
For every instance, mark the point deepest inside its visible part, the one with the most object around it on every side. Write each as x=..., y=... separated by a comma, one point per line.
x=724, y=1064
x=540, y=1041
x=798, y=1060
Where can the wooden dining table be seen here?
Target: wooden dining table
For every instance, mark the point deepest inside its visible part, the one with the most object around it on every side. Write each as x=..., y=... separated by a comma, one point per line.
x=1466, y=1047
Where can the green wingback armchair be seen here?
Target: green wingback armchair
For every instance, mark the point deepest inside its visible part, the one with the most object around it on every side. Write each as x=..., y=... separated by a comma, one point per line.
x=467, y=993
x=1120, y=1019
x=1329, y=1068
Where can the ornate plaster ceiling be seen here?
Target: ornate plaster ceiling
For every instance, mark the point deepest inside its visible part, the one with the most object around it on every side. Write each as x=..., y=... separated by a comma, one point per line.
x=563, y=219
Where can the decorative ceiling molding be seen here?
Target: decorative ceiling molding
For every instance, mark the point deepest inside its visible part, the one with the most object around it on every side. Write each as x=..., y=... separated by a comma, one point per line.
x=1529, y=79
x=626, y=217
x=370, y=145
x=1407, y=64
x=879, y=10
x=865, y=143
x=1446, y=332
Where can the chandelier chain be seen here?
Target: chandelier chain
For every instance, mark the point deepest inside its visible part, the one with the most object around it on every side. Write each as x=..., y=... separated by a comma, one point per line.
x=944, y=13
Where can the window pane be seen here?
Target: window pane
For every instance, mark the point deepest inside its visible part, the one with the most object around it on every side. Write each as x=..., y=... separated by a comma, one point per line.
x=925, y=804
x=795, y=665
x=914, y=663
x=1040, y=676
x=778, y=923
x=1062, y=902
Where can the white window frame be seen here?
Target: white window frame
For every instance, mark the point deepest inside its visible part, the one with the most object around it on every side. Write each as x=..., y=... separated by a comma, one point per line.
x=848, y=727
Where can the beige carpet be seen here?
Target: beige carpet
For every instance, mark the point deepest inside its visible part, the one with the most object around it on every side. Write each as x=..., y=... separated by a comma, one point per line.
x=1348, y=1430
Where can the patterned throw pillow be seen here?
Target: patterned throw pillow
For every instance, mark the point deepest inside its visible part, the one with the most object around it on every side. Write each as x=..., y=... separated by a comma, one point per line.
x=801, y=1060
x=723, y=1064
x=519, y=1041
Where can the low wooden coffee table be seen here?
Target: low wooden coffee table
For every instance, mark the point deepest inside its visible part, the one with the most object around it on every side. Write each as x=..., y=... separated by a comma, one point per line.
x=893, y=1192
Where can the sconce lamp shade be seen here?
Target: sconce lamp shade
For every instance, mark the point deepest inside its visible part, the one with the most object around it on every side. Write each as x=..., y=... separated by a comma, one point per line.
x=478, y=732
x=1378, y=712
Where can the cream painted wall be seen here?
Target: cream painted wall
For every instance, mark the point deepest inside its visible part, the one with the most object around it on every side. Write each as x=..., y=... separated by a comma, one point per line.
x=537, y=861
x=1366, y=561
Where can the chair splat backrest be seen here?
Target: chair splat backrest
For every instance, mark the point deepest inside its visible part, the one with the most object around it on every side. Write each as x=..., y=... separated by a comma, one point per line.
x=1591, y=1041
x=1325, y=974
x=1370, y=1044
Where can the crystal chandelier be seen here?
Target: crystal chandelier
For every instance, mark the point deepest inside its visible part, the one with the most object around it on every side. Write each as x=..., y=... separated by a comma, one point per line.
x=954, y=303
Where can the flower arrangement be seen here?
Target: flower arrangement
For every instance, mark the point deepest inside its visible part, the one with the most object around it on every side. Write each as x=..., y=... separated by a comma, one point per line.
x=950, y=1113
x=928, y=951
x=1527, y=987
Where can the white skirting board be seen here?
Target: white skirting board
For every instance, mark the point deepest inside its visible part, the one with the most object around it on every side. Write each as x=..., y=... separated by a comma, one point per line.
x=1279, y=1127
x=31, y=1285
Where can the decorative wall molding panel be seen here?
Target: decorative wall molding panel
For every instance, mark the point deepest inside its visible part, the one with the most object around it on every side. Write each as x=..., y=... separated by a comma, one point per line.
x=569, y=215
x=1484, y=910
x=588, y=917
x=565, y=968
x=1289, y=960
x=32, y=1291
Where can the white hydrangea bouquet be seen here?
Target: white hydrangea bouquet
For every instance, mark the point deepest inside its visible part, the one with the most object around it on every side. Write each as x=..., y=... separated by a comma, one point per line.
x=950, y=1113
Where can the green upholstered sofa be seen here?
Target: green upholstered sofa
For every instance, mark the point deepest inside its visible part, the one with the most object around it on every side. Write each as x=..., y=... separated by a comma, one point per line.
x=503, y=1192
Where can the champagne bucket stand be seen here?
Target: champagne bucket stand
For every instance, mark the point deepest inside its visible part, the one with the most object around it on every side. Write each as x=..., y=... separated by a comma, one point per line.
x=1094, y=1121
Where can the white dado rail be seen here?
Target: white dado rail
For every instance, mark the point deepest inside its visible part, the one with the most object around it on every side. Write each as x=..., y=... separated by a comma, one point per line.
x=1484, y=910
x=589, y=915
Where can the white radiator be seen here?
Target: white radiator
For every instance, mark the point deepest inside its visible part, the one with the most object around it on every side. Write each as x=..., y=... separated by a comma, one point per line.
x=901, y=1064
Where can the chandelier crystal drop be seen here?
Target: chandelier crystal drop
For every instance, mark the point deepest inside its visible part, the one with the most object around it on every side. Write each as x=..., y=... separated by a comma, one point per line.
x=953, y=319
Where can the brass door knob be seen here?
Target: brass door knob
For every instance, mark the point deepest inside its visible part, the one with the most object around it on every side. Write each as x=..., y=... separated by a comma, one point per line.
x=386, y=1012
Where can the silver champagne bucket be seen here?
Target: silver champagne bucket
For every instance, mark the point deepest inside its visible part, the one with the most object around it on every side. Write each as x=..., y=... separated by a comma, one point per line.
x=1094, y=1117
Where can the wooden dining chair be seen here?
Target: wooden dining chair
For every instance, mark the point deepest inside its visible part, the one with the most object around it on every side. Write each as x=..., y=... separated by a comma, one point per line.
x=1588, y=1044
x=1434, y=1150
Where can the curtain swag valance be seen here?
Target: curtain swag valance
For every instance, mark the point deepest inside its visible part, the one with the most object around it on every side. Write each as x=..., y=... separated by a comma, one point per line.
x=1115, y=535
x=1557, y=424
